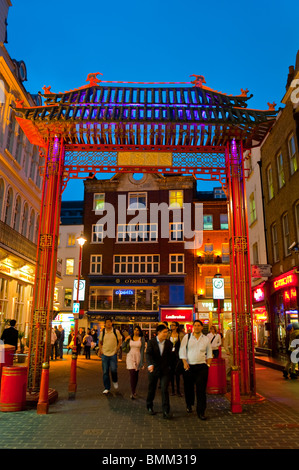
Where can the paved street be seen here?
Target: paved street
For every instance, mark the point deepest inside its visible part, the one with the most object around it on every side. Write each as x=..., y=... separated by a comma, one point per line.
x=96, y=421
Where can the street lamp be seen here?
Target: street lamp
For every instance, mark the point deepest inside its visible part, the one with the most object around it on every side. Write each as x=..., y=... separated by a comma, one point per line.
x=73, y=376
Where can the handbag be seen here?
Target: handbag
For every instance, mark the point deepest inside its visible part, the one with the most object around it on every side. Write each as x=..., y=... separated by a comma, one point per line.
x=126, y=347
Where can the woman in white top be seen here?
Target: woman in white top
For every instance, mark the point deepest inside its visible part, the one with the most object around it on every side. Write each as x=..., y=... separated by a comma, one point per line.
x=134, y=344
x=215, y=340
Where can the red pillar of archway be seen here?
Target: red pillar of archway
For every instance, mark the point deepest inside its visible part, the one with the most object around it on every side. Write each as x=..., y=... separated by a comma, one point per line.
x=240, y=272
x=42, y=312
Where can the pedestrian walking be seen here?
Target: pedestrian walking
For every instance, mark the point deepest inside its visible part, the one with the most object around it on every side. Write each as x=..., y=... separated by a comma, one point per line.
x=158, y=355
x=134, y=346
x=110, y=341
x=87, y=340
x=10, y=335
x=56, y=346
x=60, y=341
x=176, y=369
x=79, y=341
x=215, y=340
x=196, y=353
x=70, y=342
x=53, y=343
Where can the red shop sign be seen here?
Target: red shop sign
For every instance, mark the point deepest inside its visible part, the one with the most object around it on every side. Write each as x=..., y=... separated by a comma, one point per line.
x=177, y=314
x=285, y=281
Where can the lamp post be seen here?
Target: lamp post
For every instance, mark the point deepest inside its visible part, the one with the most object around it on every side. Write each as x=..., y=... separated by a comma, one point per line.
x=73, y=376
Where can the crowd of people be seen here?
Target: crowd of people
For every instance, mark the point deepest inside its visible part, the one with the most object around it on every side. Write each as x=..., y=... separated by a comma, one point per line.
x=174, y=359
x=171, y=356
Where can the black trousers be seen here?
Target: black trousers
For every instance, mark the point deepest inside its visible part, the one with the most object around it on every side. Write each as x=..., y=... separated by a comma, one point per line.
x=152, y=386
x=196, y=379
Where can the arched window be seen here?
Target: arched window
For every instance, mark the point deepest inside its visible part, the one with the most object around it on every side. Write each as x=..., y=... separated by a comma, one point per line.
x=11, y=133
x=25, y=220
x=36, y=230
x=2, y=188
x=19, y=149
x=17, y=214
x=34, y=163
x=31, y=226
x=8, y=207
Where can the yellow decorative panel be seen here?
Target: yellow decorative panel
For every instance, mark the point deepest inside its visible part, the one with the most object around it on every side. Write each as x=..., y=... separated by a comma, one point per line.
x=144, y=158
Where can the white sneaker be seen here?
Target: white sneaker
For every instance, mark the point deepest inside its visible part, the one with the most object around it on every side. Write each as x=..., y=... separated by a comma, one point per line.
x=106, y=391
x=115, y=385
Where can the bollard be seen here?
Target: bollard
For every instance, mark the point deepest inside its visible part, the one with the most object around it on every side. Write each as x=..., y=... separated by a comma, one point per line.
x=43, y=401
x=73, y=378
x=236, y=406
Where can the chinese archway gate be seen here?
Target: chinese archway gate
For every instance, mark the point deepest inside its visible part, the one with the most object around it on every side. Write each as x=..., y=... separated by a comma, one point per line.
x=188, y=129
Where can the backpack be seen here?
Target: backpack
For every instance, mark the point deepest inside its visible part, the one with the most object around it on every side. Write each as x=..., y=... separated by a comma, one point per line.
x=114, y=331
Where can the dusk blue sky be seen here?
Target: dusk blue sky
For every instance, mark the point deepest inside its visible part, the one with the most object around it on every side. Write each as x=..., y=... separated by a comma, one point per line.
x=233, y=44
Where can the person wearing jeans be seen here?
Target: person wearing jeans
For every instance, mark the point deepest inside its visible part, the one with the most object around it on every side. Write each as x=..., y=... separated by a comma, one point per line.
x=109, y=343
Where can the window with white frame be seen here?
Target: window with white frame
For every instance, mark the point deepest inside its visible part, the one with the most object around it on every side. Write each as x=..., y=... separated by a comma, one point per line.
x=274, y=243
x=225, y=253
x=280, y=171
x=19, y=303
x=292, y=154
x=137, y=201
x=95, y=264
x=136, y=264
x=176, y=232
x=68, y=296
x=270, y=182
x=176, y=264
x=176, y=199
x=223, y=221
x=99, y=201
x=17, y=214
x=255, y=253
x=208, y=222
x=71, y=239
x=286, y=233
x=97, y=231
x=69, y=266
x=4, y=284
x=137, y=233
x=252, y=208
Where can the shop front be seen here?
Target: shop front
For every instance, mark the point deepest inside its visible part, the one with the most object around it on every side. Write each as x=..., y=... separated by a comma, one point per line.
x=284, y=303
x=210, y=313
x=127, y=301
x=261, y=319
x=67, y=321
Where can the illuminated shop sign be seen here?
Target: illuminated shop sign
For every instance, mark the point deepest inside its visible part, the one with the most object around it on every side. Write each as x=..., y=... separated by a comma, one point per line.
x=282, y=282
x=177, y=314
x=259, y=294
x=124, y=292
x=260, y=314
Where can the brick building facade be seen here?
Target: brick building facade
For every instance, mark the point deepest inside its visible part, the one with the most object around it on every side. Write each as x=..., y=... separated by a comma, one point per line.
x=280, y=175
x=138, y=267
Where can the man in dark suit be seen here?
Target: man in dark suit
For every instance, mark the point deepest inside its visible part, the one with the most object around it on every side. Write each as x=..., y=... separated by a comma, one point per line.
x=158, y=355
x=10, y=335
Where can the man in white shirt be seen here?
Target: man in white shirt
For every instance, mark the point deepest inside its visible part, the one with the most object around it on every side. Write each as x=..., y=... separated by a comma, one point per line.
x=196, y=354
